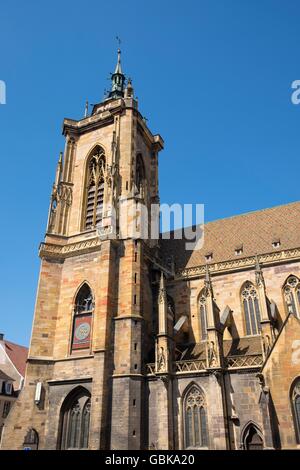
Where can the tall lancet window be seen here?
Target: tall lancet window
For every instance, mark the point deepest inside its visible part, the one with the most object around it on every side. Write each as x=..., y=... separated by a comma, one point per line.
x=291, y=292
x=82, y=321
x=295, y=397
x=203, y=314
x=95, y=188
x=251, y=308
x=140, y=179
x=195, y=419
x=75, y=420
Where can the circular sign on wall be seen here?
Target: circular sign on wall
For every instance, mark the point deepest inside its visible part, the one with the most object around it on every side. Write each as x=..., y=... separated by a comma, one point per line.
x=82, y=331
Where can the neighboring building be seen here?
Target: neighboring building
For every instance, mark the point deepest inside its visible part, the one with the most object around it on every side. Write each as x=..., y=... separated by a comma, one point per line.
x=12, y=372
x=140, y=344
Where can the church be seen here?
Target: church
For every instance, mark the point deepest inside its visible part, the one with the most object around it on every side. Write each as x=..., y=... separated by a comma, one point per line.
x=139, y=343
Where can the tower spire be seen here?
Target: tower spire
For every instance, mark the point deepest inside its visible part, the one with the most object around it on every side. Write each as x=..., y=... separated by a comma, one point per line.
x=118, y=68
x=118, y=80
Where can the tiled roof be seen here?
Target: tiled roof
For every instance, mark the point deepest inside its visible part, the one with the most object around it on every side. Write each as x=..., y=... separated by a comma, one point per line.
x=18, y=355
x=5, y=377
x=190, y=352
x=246, y=346
x=254, y=232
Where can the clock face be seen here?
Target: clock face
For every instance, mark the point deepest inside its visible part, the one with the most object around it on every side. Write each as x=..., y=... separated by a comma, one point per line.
x=82, y=331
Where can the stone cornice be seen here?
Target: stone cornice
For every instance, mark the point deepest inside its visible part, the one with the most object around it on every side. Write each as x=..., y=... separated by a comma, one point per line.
x=77, y=380
x=103, y=115
x=99, y=119
x=94, y=122
x=129, y=317
x=50, y=359
x=120, y=376
x=240, y=264
x=51, y=250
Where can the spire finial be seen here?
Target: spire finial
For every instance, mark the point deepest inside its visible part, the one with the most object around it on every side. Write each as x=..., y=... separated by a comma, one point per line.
x=118, y=66
x=58, y=170
x=162, y=288
x=129, y=89
x=117, y=78
x=86, y=108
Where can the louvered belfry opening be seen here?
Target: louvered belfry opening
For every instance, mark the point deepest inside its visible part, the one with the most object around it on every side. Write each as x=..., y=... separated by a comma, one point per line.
x=95, y=188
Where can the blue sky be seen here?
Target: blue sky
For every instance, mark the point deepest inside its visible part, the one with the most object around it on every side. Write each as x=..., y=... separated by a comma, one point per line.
x=212, y=77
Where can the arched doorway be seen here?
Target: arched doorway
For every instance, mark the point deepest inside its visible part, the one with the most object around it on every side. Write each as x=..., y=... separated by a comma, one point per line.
x=75, y=420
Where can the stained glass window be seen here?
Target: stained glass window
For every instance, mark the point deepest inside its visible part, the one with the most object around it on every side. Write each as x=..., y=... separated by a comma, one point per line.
x=196, y=434
x=251, y=307
x=75, y=421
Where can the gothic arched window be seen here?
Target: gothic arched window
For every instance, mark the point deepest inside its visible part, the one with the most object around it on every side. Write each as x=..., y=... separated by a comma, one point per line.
x=252, y=439
x=251, y=308
x=203, y=314
x=75, y=420
x=95, y=188
x=82, y=321
x=31, y=439
x=140, y=175
x=295, y=398
x=195, y=419
x=291, y=292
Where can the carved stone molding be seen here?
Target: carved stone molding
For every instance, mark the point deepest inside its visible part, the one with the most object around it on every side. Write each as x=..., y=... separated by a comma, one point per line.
x=65, y=193
x=103, y=116
x=49, y=250
x=233, y=265
x=189, y=366
x=254, y=360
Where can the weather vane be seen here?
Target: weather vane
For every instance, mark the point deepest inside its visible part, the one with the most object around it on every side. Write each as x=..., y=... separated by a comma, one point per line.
x=118, y=40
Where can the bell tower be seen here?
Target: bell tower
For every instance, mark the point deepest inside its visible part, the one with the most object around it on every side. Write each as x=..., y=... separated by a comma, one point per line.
x=93, y=300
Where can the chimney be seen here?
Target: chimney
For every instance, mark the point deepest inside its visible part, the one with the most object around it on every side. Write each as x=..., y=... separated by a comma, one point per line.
x=1, y=336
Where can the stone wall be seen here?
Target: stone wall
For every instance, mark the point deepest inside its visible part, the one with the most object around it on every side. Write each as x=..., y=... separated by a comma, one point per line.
x=280, y=372
x=227, y=289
